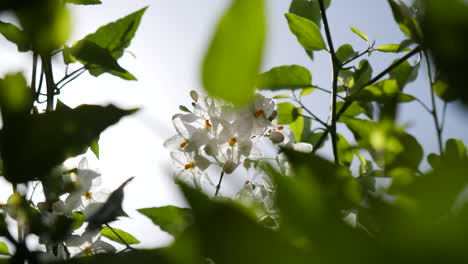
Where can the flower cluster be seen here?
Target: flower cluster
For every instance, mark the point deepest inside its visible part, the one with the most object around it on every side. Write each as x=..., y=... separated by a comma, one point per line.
x=217, y=133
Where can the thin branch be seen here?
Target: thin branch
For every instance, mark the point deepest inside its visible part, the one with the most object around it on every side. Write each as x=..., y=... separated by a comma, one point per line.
x=358, y=56
x=313, y=116
x=219, y=183
x=34, y=73
x=423, y=105
x=375, y=79
x=444, y=114
x=69, y=74
x=74, y=77
x=121, y=239
x=336, y=69
x=434, y=105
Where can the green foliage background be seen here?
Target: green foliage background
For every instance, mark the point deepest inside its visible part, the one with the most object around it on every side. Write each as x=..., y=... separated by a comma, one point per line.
x=415, y=220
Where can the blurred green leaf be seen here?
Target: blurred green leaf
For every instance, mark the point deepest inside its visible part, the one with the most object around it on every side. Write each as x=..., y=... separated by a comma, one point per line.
x=128, y=238
x=285, y=77
x=382, y=92
x=280, y=96
x=286, y=113
x=233, y=59
x=395, y=48
x=406, y=20
x=345, y=53
x=359, y=33
x=171, y=219
x=15, y=35
x=352, y=111
x=55, y=136
x=96, y=50
x=442, y=90
x=246, y=241
x=306, y=31
x=297, y=126
x=307, y=91
x=404, y=73
x=346, y=153
x=4, y=249
x=45, y=23
x=78, y=219
x=84, y=2
x=445, y=25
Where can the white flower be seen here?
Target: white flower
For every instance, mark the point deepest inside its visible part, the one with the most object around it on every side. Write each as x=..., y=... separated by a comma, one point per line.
x=80, y=246
x=190, y=167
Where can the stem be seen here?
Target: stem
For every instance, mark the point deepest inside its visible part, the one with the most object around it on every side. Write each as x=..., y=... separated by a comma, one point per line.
x=121, y=239
x=375, y=79
x=433, y=102
x=74, y=77
x=19, y=228
x=358, y=56
x=70, y=74
x=313, y=116
x=47, y=64
x=336, y=69
x=34, y=73
x=444, y=112
x=219, y=183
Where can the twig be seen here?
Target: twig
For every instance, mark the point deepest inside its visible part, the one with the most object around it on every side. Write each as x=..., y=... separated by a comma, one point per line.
x=121, y=239
x=433, y=102
x=219, y=183
x=336, y=69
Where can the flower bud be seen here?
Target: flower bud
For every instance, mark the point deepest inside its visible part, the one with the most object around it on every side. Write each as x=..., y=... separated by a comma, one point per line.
x=276, y=137
x=229, y=166
x=59, y=207
x=194, y=95
x=302, y=147
x=183, y=108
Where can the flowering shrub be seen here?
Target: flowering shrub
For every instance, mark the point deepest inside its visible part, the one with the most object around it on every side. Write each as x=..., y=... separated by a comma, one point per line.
x=370, y=201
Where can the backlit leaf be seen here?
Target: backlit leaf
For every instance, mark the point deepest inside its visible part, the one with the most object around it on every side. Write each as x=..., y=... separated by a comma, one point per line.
x=306, y=31
x=285, y=77
x=127, y=237
x=233, y=59
x=171, y=219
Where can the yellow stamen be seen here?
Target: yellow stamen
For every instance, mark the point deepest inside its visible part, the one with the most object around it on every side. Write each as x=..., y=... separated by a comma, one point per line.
x=184, y=143
x=259, y=113
x=207, y=124
x=88, y=195
x=189, y=166
x=88, y=251
x=232, y=141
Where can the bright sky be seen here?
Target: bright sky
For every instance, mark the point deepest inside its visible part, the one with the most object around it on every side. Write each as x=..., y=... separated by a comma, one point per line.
x=169, y=48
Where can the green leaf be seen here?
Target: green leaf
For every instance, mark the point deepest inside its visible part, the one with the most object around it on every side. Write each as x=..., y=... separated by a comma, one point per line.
x=362, y=75
x=55, y=136
x=286, y=113
x=78, y=219
x=307, y=91
x=352, y=111
x=381, y=92
x=4, y=249
x=229, y=245
x=395, y=48
x=406, y=20
x=443, y=91
x=359, y=33
x=95, y=147
x=114, y=37
x=67, y=55
x=285, y=77
x=404, y=73
x=346, y=153
x=15, y=35
x=171, y=219
x=345, y=53
x=306, y=31
x=128, y=238
x=280, y=96
x=297, y=126
x=84, y=2
x=88, y=52
x=308, y=9
x=233, y=59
